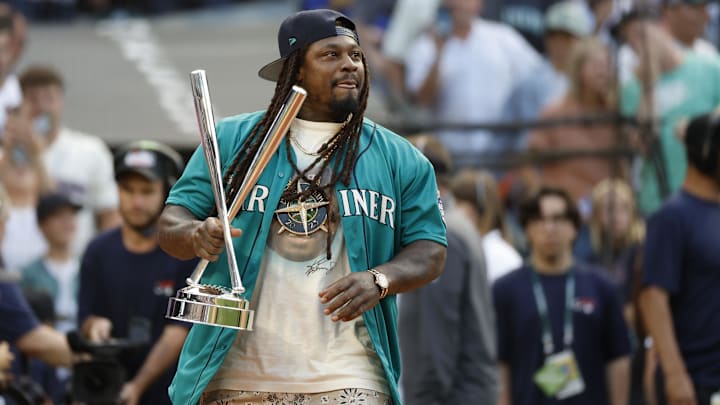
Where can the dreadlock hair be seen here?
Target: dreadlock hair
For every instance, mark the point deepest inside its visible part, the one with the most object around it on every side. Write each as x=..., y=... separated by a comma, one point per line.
x=338, y=154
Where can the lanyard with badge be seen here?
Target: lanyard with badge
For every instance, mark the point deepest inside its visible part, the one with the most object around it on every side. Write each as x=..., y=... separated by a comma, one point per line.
x=559, y=377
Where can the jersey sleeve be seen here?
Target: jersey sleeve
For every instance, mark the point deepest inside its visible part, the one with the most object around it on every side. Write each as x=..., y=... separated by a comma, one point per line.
x=662, y=264
x=422, y=215
x=16, y=313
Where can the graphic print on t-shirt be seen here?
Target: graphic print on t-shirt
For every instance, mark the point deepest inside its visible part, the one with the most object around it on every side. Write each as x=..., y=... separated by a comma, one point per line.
x=300, y=230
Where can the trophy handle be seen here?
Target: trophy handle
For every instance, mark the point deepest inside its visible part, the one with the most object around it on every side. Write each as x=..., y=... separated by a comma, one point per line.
x=271, y=141
x=208, y=139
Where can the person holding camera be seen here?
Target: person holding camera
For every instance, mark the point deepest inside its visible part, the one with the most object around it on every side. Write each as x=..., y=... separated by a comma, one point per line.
x=126, y=279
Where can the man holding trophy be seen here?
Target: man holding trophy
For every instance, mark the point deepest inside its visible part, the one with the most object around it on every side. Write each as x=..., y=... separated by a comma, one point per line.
x=331, y=223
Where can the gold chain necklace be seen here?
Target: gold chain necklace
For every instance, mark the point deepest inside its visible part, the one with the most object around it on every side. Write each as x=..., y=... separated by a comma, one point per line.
x=303, y=150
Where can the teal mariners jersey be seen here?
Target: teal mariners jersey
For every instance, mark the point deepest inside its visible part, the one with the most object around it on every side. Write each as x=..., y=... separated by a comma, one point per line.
x=391, y=201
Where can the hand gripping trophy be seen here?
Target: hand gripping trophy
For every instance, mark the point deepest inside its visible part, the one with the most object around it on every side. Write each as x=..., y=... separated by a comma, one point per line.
x=218, y=305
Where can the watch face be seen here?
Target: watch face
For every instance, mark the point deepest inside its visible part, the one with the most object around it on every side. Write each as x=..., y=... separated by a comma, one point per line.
x=382, y=281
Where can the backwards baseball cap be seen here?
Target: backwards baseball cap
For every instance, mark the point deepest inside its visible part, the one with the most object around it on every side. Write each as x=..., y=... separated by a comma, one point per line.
x=569, y=16
x=51, y=203
x=304, y=28
x=702, y=142
x=150, y=159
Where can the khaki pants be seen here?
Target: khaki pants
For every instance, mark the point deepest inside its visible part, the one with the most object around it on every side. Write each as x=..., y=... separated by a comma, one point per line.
x=348, y=396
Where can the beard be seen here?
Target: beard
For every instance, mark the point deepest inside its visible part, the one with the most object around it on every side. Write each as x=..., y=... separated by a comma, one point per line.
x=344, y=106
x=145, y=227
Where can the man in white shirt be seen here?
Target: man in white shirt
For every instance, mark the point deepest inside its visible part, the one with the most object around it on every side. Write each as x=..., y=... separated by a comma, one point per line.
x=79, y=164
x=686, y=21
x=466, y=76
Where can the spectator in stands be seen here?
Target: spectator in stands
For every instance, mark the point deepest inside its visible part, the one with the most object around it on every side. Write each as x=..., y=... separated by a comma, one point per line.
x=127, y=262
x=525, y=16
x=23, y=174
x=590, y=94
x=409, y=19
x=615, y=233
x=612, y=240
x=79, y=164
x=561, y=331
x=464, y=70
x=447, y=328
x=56, y=272
x=10, y=95
x=566, y=23
x=682, y=85
x=477, y=196
x=686, y=21
x=679, y=302
x=18, y=324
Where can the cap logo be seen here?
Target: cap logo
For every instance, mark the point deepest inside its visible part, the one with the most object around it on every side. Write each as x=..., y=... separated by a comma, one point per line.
x=140, y=158
x=292, y=41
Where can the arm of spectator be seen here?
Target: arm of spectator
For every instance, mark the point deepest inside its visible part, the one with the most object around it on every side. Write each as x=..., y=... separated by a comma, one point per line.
x=422, y=67
x=655, y=310
x=618, y=377
x=46, y=344
x=21, y=164
x=504, y=398
x=428, y=91
x=164, y=354
x=538, y=140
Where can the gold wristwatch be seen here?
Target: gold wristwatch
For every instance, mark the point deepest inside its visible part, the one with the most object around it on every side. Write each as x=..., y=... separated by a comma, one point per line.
x=381, y=281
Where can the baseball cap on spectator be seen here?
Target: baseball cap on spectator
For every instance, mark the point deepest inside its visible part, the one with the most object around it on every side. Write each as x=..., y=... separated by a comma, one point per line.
x=150, y=159
x=569, y=16
x=49, y=204
x=303, y=28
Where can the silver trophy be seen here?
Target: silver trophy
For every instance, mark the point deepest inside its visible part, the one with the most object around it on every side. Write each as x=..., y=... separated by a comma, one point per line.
x=217, y=305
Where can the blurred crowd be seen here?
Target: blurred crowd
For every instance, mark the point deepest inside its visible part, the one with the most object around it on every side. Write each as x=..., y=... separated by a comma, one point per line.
x=576, y=149
x=68, y=10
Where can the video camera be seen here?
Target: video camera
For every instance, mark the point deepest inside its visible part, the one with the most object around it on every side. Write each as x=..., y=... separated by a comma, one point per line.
x=98, y=381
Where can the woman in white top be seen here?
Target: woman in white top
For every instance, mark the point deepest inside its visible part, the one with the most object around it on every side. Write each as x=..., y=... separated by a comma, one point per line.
x=477, y=195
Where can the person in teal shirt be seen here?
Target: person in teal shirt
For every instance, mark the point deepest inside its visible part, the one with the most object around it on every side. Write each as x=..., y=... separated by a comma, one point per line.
x=683, y=85
x=322, y=281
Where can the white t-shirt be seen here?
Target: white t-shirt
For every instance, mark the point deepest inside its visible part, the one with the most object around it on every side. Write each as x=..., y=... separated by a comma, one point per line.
x=82, y=166
x=65, y=274
x=294, y=347
x=477, y=76
x=500, y=257
x=23, y=241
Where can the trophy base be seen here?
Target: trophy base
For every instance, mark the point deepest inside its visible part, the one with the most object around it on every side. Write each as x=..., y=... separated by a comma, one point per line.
x=210, y=305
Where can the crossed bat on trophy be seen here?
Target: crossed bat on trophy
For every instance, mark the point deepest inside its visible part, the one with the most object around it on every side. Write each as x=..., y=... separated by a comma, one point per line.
x=217, y=305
